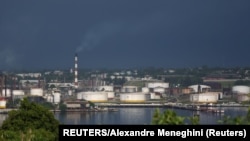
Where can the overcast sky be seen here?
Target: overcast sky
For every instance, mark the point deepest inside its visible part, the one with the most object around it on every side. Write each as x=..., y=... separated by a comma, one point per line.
x=46, y=34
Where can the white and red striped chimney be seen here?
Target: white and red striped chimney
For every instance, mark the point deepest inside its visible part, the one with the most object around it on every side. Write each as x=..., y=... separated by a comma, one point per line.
x=76, y=71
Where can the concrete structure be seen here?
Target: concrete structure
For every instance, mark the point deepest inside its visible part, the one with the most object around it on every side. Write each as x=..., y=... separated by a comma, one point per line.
x=136, y=97
x=208, y=97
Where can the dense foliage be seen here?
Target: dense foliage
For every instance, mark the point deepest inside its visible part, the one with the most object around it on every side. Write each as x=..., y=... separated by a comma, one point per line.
x=169, y=117
x=31, y=121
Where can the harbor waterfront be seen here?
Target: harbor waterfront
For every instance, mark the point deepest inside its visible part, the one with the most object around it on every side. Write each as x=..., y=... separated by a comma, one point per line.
x=142, y=113
x=142, y=116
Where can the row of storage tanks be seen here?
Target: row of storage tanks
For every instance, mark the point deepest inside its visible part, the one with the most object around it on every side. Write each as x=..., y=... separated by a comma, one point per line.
x=127, y=93
x=33, y=92
x=54, y=97
x=240, y=92
x=131, y=94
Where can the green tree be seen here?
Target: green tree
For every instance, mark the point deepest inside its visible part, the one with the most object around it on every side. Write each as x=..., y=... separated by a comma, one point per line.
x=169, y=117
x=28, y=120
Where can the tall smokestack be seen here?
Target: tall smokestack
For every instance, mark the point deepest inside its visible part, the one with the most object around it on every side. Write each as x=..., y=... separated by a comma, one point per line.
x=76, y=71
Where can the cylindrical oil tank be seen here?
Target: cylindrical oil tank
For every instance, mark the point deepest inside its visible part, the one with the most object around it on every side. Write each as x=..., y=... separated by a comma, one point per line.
x=36, y=91
x=134, y=97
x=18, y=92
x=69, y=92
x=79, y=96
x=49, y=98
x=2, y=103
x=242, y=97
x=57, y=97
x=106, y=88
x=241, y=89
x=95, y=96
x=211, y=97
x=6, y=92
x=145, y=89
x=111, y=95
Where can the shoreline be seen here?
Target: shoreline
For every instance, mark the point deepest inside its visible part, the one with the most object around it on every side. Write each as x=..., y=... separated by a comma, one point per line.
x=112, y=107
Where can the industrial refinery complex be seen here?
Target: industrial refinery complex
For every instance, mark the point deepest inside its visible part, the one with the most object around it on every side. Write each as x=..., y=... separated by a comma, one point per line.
x=100, y=88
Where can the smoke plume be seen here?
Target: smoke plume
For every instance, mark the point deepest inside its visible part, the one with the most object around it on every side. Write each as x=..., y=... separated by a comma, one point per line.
x=96, y=35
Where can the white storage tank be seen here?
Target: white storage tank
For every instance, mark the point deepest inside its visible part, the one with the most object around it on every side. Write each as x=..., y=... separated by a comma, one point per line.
x=18, y=92
x=69, y=92
x=240, y=89
x=134, y=97
x=209, y=97
x=6, y=92
x=79, y=96
x=242, y=97
x=50, y=98
x=145, y=89
x=36, y=91
x=57, y=97
x=111, y=95
x=94, y=96
x=2, y=103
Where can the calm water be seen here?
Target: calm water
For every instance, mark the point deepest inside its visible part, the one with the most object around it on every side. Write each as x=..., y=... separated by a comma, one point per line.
x=137, y=116
x=140, y=116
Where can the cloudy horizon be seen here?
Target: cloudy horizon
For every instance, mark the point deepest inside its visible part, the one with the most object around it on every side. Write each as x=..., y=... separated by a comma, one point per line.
x=124, y=34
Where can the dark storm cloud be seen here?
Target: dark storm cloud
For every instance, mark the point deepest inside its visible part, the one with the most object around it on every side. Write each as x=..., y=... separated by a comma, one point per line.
x=123, y=34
